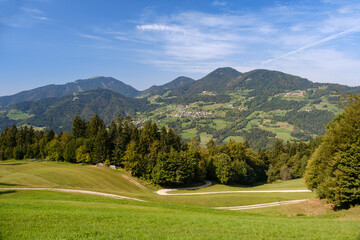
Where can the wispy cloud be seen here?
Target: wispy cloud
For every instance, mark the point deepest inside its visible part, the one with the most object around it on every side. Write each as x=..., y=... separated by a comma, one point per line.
x=274, y=37
x=160, y=27
x=194, y=36
x=31, y=10
x=92, y=37
x=313, y=44
x=41, y=18
x=122, y=38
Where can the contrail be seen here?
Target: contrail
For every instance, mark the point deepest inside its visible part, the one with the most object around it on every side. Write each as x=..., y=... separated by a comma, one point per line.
x=354, y=29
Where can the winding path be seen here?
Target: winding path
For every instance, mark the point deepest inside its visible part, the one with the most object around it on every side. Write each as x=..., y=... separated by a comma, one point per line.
x=262, y=205
x=77, y=191
x=208, y=183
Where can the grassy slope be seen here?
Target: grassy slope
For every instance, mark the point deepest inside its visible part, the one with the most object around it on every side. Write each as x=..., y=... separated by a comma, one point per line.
x=52, y=215
x=65, y=175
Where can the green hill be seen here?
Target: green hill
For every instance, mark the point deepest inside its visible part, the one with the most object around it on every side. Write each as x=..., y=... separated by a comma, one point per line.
x=176, y=83
x=58, y=113
x=78, y=86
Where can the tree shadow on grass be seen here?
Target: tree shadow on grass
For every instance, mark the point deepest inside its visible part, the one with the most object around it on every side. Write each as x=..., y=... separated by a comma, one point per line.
x=10, y=164
x=9, y=184
x=6, y=192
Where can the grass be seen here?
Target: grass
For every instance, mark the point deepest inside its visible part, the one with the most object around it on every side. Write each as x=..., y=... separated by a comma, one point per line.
x=55, y=215
x=235, y=138
x=51, y=215
x=189, y=133
x=219, y=124
x=283, y=131
x=205, y=138
x=66, y=175
x=17, y=115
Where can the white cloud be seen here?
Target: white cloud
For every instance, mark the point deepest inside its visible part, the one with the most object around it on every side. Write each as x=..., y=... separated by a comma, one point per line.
x=161, y=27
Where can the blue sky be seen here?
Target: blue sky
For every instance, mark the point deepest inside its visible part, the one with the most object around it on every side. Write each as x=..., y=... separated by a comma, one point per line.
x=143, y=43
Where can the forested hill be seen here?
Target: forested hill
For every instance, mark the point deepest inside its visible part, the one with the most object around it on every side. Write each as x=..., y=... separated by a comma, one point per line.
x=269, y=82
x=214, y=81
x=81, y=85
x=176, y=83
x=57, y=113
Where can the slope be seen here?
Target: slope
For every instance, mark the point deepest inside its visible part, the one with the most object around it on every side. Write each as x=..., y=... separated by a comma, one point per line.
x=71, y=176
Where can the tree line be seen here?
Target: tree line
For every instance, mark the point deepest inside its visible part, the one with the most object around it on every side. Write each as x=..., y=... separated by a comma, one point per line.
x=156, y=154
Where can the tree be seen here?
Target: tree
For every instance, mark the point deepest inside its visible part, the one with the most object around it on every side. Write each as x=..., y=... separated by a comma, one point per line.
x=334, y=169
x=79, y=127
x=133, y=160
x=82, y=155
x=223, y=168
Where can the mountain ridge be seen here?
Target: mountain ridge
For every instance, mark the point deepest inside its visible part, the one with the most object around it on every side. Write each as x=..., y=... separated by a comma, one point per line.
x=60, y=90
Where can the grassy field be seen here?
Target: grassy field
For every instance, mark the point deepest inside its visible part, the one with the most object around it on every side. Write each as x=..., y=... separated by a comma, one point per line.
x=17, y=115
x=54, y=215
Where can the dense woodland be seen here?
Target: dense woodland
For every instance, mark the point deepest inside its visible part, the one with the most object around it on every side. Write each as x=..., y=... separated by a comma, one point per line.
x=157, y=154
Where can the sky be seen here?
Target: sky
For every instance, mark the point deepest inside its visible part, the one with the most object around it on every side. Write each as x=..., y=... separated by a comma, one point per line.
x=145, y=43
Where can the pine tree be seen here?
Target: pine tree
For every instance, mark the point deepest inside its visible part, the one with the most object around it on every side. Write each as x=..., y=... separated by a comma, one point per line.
x=79, y=127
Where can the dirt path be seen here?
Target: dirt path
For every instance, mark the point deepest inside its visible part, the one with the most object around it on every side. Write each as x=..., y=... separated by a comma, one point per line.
x=166, y=190
x=272, y=204
x=77, y=191
x=208, y=183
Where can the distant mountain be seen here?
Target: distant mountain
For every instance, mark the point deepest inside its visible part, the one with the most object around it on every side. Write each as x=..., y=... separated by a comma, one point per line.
x=58, y=113
x=266, y=81
x=176, y=83
x=214, y=81
x=81, y=85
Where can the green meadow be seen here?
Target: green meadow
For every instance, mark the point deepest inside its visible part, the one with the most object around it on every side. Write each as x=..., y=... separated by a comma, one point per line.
x=53, y=215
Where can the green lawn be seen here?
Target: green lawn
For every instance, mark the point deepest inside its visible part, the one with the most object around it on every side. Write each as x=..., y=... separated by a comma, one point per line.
x=55, y=215
x=51, y=215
